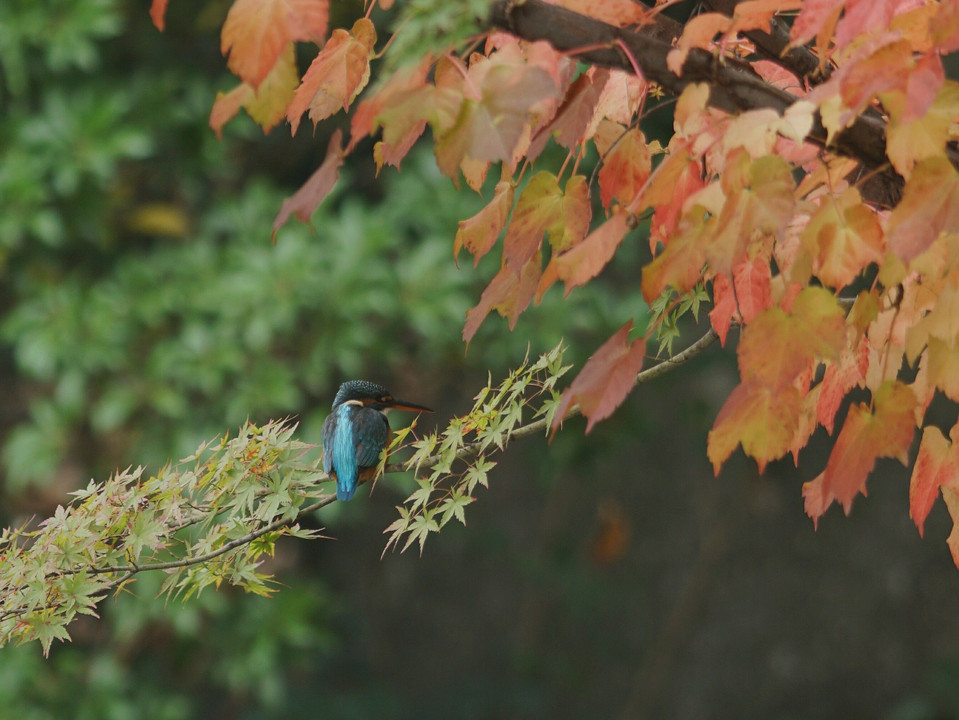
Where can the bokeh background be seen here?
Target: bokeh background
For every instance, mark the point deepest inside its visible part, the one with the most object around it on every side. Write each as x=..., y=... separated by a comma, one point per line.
x=144, y=309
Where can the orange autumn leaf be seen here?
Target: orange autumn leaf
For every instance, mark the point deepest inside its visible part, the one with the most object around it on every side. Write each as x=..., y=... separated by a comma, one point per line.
x=266, y=105
x=545, y=210
x=305, y=200
x=256, y=32
x=843, y=237
x=681, y=264
x=910, y=141
x=585, y=260
x=492, y=127
x=626, y=162
x=937, y=466
x=759, y=418
x=776, y=347
x=748, y=294
x=509, y=293
x=336, y=75
x=158, y=13
x=478, y=234
x=929, y=206
x=759, y=202
x=839, y=378
x=605, y=380
x=576, y=119
x=868, y=434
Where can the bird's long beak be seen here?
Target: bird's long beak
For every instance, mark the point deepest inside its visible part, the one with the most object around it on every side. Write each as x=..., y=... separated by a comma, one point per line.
x=413, y=407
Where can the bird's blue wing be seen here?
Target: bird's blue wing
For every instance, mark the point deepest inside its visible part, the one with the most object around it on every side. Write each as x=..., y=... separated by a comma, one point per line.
x=371, y=432
x=329, y=433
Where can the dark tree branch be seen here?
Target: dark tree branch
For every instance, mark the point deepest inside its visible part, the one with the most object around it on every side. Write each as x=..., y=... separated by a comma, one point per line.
x=734, y=87
x=800, y=61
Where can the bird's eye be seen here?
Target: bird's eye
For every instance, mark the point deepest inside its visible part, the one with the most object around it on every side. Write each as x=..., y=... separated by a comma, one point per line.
x=387, y=399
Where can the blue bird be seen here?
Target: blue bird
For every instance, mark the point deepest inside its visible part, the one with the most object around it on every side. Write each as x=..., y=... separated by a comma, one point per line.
x=356, y=432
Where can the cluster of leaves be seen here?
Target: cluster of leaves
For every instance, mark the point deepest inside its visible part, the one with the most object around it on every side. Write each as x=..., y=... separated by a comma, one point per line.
x=210, y=519
x=458, y=457
x=771, y=207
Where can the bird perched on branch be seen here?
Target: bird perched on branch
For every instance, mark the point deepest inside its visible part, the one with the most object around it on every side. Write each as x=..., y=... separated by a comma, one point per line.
x=356, y=432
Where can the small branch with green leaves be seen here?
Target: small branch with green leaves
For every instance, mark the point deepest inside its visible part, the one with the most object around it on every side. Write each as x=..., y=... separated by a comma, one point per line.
x=214, y=516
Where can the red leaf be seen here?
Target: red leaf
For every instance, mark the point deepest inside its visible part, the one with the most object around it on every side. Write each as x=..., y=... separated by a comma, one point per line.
x=478, y=234
x=929, y=206
x=266, y=105
x=762, y=419
x=494, y=125
x=584, y=261
x=841, y=377
x=509, y=293
x=681, y=264
x=816, y=499
x=256, y=31
x=866, y=436
x=937, y=465
x=336, y=75
x=305, y=200
x=753, y=294
x=399, y=107
x=576, y=118
x=626, y=162
x=775, y=347
x=843, y=237
x=542, y=209
x=605, y=380
x=158, y=13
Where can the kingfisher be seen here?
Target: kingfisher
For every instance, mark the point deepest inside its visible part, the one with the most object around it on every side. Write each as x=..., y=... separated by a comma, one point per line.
x=356, y=432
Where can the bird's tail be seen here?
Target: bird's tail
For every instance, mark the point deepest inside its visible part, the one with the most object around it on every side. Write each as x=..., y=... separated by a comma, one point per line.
x=345, y=491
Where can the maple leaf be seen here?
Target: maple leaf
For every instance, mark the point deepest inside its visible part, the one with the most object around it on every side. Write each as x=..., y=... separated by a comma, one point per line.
x=576, y=119
x=910, y=141
x=749, y=293
x=759, y=201
x=776, y=347
x=543, y=209
x=944, y=367
x=337, y=74
x=681, y=264
x=626, y=162
x=584, y=261
x=266, y=105
x=671, y=184
x=839, y=378
x=305, y=200
x=509, y=293
x=256, y=32
x=763, y=420
x=944, y=28
x=478, y=234
x=952, y=504
x=491, y=127
x=929, y=206
x=697, y=33
x=605, y=380
x=886, y=431
x=158, y=13
x=937, y=465
x=843, y=236
x=399, y=107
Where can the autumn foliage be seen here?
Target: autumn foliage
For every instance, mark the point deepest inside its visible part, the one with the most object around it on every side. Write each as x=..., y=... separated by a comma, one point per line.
x=810, y=185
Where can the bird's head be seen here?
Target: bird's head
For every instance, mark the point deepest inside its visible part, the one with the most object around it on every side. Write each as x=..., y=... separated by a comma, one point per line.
x=369, y=394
